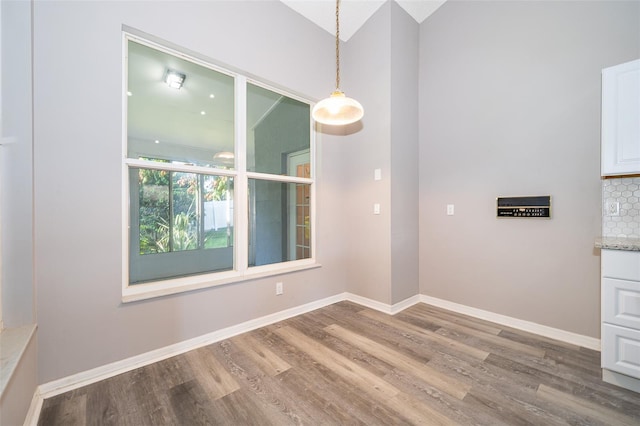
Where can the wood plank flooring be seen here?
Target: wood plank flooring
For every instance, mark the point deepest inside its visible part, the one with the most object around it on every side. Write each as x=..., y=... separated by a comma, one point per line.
x=347, y=364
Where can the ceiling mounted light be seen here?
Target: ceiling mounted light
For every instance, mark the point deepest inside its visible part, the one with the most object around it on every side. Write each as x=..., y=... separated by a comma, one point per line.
x=337, y=109
x=224, y=157
x=174, y=78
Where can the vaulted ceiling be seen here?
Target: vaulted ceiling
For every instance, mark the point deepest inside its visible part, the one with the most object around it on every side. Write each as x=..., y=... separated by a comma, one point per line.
x=354, y=13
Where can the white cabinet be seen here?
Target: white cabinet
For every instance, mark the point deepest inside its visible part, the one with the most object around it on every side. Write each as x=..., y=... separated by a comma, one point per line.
x=623, y=307
x=621, y=119
x=623, y=350
x=620, y=340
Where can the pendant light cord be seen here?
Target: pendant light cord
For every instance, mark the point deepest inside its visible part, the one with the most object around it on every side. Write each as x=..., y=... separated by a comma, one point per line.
x=337, y=44
x=337, y=109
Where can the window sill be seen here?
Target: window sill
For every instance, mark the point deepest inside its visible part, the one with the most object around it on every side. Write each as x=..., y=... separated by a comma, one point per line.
x=14, y=342
x=137, y=292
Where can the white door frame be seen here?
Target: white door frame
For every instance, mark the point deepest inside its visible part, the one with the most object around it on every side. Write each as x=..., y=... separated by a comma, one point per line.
x=294, y=159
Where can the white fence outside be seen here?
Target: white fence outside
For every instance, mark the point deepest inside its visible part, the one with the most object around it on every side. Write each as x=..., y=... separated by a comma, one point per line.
x=218, y=214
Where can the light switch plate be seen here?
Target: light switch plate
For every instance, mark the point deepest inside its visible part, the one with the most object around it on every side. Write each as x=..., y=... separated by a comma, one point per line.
x=377, y=174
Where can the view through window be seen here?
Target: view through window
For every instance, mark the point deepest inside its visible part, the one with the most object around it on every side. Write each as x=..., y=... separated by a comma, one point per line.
x=219, y=168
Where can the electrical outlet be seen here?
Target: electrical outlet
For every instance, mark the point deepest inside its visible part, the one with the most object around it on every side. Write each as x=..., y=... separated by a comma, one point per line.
x=612, y=208
x=279, y=289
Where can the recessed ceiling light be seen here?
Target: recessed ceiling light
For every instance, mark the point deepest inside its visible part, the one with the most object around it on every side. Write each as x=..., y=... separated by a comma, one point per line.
x=174, y=78
x=203, y=112
x=129, y=93
x=157, y=141
x=212, y=96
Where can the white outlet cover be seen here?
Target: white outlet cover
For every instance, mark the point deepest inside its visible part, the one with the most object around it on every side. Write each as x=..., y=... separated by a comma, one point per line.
x=612, y=208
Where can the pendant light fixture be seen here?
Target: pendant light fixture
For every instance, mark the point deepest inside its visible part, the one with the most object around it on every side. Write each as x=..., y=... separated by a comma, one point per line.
x=337, y=109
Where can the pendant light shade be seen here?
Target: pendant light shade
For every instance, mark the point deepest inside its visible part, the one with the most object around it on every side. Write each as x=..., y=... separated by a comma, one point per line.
x=337, y=109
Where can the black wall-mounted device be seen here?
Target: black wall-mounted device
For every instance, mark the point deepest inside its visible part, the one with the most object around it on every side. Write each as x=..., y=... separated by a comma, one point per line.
x=537, y=207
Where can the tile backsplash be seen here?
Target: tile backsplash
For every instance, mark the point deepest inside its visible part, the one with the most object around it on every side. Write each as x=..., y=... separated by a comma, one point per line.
x=626, y=192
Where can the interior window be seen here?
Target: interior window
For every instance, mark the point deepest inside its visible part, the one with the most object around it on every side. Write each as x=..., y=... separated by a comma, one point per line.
x=193, y=208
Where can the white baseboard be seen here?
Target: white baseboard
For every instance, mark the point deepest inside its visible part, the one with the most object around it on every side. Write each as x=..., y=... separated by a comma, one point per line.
x=531, y=327
x=406, y=303
x=88, y=377
x=383, y=307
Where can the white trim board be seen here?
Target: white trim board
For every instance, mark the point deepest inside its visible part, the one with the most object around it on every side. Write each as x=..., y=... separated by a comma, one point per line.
x=34, y=409
x=14, y=343
x=88, y=377
x=531, y=327
x=383, y=307
x=65, y=384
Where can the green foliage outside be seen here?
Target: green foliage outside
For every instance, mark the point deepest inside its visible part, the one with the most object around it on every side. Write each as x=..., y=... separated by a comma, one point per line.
x=162, y=192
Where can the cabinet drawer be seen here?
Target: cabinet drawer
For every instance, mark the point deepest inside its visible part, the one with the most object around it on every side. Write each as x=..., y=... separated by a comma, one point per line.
x=621, y=264
x=621, y=350
x=621, y=302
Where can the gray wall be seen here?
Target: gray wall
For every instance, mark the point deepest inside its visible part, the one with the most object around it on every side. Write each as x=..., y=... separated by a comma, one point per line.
x=366, y=76
x=381, y=71
x=16, y=167
x=510, y=105
x=78, y=202
x=508, y=98
x=16, y=170
x=404, y=155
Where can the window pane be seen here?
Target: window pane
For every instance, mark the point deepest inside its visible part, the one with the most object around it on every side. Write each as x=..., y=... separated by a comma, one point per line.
x=154, y=214
x=280, y=221
x=184, y=226
x=276, y=126
x=218, y=211
x=191, y=124
x=181, y=224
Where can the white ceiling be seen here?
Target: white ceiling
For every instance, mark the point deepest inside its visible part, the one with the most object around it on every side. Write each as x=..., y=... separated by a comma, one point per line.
x=354, y=13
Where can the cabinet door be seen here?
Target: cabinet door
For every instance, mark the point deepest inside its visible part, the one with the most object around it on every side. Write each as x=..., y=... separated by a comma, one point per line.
x=621, y=302
x=622, y=352
x=621, y=119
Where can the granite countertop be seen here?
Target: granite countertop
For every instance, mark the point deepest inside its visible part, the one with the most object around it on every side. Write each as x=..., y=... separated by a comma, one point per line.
x=618, y=243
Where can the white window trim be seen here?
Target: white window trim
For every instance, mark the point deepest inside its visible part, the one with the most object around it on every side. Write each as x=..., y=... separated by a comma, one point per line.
x=241, y=271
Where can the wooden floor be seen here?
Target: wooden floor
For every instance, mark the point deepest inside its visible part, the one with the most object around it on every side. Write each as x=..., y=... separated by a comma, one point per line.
x=346, y=364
